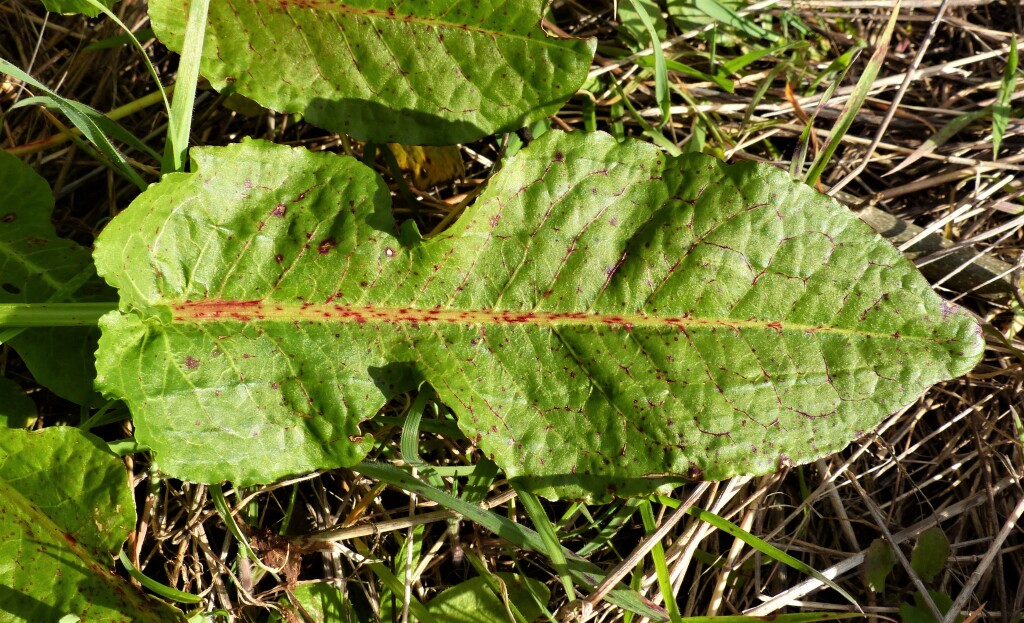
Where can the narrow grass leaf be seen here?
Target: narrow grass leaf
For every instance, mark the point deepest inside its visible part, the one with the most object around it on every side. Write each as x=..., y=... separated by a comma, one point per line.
x=660, y=566
x=180, y=121
x=795, y=617
x=83, y=118
x=856, y=100
x=1001, y=108
x=661, y=94
x=552, y=546
x=933, y=142
x=162, y=590
x=735, y=65
x=767, y=549
x=686, y=11
x=583, y=571
x=395, y=585
x=722, y=82
x=89, y=8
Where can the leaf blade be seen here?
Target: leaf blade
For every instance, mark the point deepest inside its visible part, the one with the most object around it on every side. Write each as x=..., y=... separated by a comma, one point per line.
x=425, y=73
x=59, y=533
x=604, y=319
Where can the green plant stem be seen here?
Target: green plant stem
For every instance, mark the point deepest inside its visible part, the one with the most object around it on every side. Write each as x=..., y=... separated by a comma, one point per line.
x=25, y=315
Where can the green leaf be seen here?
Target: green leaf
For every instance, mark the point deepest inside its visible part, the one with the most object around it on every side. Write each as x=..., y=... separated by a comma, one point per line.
x=472, y=601
x=416, y=73
x=16, y=409
x=929, y=556
x=322, y=603
x=82, y=7
x=36, y=267
x=879, y=561
x=602, y=320
x=67, y=509
x=919, y=612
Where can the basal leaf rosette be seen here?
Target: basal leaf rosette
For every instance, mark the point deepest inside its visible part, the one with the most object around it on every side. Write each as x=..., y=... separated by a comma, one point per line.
x=416, y=73
x=602, y=317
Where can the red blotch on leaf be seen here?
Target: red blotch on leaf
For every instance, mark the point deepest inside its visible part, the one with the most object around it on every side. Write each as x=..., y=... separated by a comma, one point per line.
x=326, y=246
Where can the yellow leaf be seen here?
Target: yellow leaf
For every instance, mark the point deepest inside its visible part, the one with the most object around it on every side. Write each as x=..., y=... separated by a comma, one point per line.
x=429, y=166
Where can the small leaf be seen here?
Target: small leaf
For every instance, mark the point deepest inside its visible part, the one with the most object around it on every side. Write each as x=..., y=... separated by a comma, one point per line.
x=422, y=73
x=37, y=267
x=16, y=409
x=602, y=320
x=929, y=556
x=67, y=509
x=879, y=561
x=473, y=601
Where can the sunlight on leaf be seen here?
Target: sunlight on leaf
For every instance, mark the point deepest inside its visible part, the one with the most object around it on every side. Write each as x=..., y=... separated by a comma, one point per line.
x=67, y=509
x=602, y=317
x=423, y=73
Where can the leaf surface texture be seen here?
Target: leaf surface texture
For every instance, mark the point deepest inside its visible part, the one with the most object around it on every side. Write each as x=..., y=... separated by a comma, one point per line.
x=419, y=73
x=602, y=316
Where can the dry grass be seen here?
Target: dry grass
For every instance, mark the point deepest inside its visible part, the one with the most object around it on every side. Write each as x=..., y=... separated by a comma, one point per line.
x=953, y=459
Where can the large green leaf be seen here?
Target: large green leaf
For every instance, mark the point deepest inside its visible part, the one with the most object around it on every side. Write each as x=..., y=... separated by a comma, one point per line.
x=37, y=267
x=600, y=316
x=66, y=511
x=417, y=73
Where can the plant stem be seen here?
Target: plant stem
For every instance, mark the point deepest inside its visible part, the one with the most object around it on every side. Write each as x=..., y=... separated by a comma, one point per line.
x=25, y=315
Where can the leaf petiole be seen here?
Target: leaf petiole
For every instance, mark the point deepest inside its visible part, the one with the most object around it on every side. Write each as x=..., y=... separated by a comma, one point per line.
x=25, y=315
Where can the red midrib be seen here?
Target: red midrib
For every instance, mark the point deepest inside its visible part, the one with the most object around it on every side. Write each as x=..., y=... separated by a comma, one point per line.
x=262, y=311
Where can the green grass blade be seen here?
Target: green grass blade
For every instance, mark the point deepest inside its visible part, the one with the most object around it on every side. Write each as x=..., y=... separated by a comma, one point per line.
x=796, y=617
x=180, y=121
x=660, y=567
x=938, y=139
x=83, y=118
x=767, y=549
x=1001, y=110
x=726, y=15
x=105, y=123
x=160, y=589
x=582, y=570
x=853, y=105
x=552, y=546
x=395, y=585
x=660, y=71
